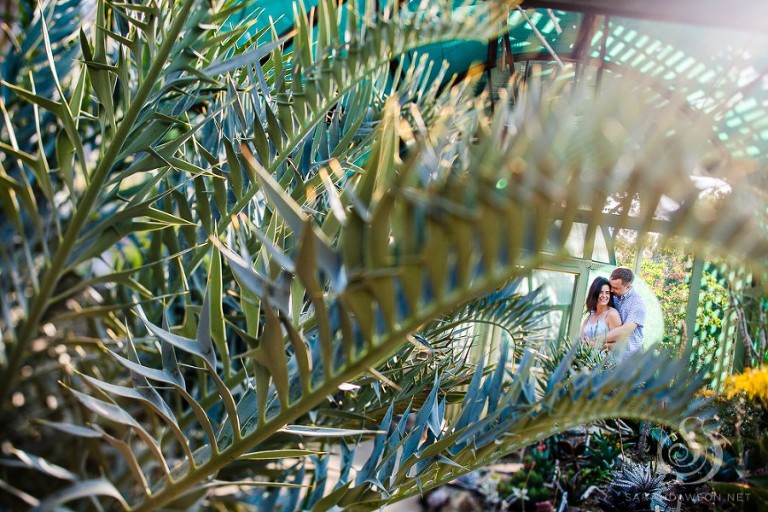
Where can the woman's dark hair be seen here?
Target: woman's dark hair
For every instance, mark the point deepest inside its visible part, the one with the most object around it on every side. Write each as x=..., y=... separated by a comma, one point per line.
x=594, y=292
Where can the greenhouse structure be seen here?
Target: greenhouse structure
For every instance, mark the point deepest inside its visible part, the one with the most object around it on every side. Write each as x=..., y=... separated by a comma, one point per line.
x=324, y=255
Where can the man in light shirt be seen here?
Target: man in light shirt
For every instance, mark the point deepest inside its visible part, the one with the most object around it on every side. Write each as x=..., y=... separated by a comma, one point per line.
x=631, y=309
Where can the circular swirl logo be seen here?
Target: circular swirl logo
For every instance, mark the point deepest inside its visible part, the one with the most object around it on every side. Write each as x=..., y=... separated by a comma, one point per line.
x=695, y=456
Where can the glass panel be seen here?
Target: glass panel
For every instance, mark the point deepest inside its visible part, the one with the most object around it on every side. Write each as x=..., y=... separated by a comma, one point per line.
x=558, y=286
x=576, y=238
x=601, y=252
x=557, y=290
x=575, y=243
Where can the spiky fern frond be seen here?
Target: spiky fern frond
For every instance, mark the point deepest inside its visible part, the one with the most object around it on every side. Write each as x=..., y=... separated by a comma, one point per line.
x=382, y=282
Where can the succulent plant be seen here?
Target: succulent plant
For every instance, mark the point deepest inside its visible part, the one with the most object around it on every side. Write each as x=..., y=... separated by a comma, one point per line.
x=635, y=487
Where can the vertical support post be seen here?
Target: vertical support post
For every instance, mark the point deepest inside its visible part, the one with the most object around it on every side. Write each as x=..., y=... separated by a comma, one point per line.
x=609, y=244
x=603, y=52
x=638, y=254
x=583, y=44
x=579, y=297
x=693, y=303
x=491, y=61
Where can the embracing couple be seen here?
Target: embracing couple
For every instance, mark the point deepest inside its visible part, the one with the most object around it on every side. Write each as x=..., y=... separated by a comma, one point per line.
x=615, y=312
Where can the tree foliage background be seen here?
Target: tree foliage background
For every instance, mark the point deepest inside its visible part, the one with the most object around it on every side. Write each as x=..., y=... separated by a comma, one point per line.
x=667, y=270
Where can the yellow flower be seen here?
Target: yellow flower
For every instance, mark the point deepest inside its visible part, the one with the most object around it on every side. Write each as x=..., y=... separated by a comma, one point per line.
x=706, y=393
x=753, y=383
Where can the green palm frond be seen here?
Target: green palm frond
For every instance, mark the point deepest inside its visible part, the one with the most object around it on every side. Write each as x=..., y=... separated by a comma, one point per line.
x=83, y=202
x=473, y=441
x=518, y=316
x=378, y=292
x=150, y=129
x=502, y=411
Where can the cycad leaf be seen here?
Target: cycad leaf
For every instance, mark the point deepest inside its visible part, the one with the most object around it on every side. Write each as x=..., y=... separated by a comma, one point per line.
x=149, y=373
x=39, y=464
x=84, y=489
x=203, y=338
x=64, y=112
x=106, y=410
x=279, y=454
x=50, y=105
x=308, y=431
x=378, y=448
x=154, y=400
x=242, y=60
x=254, y=282
x=252, y=483
x=216, y=312
x=201, y=348
x=75, y=430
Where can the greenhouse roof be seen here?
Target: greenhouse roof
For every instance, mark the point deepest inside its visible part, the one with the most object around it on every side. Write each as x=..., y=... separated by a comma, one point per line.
x=720, y=71
x=737, y=14
x=714, y=55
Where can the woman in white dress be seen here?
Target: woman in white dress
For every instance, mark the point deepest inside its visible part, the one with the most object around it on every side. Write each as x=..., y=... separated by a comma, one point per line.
x=602, y=315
